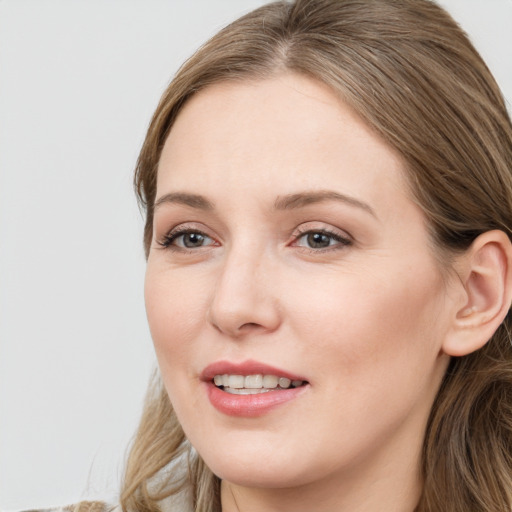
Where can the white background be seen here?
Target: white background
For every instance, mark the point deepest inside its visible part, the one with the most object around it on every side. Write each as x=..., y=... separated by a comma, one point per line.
x=79, y=81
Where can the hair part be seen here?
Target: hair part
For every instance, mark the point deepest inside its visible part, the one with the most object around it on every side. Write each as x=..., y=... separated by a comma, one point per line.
x=413, y=76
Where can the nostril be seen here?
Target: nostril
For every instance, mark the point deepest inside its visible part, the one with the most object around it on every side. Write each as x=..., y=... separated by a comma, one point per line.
x=242, y=313
x=250, y=325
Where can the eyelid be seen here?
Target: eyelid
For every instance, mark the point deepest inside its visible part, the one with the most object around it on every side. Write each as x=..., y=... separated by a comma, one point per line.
x=312, y=226
x=343, y=238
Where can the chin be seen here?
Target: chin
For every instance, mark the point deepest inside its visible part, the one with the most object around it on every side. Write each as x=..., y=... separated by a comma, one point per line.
x=258, y=468
x=250, y=475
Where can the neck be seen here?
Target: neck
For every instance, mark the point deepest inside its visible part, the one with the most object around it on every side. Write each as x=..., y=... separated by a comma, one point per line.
x=304, y=499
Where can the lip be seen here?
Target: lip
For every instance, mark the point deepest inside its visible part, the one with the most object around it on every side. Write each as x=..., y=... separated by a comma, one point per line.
x=249, y=367
x=248, y=406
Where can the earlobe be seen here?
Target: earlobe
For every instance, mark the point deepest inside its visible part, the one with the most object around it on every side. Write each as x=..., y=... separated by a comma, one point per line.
x=485, y=271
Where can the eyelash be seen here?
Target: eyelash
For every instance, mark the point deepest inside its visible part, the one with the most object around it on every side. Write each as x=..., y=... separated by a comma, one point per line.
x=168, y=240
x=341, y=241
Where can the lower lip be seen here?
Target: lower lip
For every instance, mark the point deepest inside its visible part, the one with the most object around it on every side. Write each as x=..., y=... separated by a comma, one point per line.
x=250, y=406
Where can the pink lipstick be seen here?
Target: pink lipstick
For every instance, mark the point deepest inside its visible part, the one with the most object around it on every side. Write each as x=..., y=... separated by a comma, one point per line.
x=250, y=388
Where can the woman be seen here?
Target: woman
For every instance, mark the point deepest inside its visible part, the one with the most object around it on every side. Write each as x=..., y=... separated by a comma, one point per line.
x=329, y=205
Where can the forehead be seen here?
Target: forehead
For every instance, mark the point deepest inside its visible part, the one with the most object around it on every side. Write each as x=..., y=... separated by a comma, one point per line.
x=289, y=130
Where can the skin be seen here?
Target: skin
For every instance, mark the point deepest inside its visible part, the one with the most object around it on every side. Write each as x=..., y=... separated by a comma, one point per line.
x=363, y=319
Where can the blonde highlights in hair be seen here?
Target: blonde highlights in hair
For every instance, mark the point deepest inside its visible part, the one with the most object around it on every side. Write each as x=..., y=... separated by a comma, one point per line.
x=411, y=73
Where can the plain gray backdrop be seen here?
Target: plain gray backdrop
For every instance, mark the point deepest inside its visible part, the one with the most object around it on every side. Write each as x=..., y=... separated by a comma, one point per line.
x=79, y=80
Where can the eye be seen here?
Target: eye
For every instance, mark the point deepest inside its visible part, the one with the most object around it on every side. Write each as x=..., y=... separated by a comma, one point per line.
x=321, y=239
x=186, y=239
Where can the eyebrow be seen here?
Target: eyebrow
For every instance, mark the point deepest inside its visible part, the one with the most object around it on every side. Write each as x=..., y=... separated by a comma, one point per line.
x=192, y=200
x=287, y=202
x=302, y=199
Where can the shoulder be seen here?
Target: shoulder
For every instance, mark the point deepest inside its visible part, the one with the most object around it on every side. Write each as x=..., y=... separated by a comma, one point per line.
x=83, y=506
x=180, y=502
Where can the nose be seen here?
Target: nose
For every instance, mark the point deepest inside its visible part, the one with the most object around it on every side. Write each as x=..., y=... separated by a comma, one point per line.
x=244, y=300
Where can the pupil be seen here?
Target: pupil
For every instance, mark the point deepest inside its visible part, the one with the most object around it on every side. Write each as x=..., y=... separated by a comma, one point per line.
x=193, y=240
x=318, y=240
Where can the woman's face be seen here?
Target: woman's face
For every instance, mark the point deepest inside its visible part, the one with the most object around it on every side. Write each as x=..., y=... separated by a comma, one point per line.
x=286, y=246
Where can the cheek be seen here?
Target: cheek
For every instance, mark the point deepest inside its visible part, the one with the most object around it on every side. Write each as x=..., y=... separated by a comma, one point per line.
x=373, y=347
x=174, y=307
x=366, y=323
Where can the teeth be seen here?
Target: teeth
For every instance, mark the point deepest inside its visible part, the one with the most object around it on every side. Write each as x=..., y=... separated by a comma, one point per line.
x=236, y=381
x=284, y=382
x=270, y=381
x=244, y=391
x=251, y=384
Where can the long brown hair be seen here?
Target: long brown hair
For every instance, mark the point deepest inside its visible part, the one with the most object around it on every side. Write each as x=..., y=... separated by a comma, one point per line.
x=411, y=73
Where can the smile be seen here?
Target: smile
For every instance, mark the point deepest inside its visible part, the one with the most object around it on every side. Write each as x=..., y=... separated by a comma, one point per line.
x=251, y=388
x=254, y=384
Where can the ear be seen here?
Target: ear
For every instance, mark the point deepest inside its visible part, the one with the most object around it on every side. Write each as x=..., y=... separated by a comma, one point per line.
x=485, y=272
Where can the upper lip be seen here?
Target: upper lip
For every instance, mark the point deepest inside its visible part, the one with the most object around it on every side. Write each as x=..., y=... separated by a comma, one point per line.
x=248, y=367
